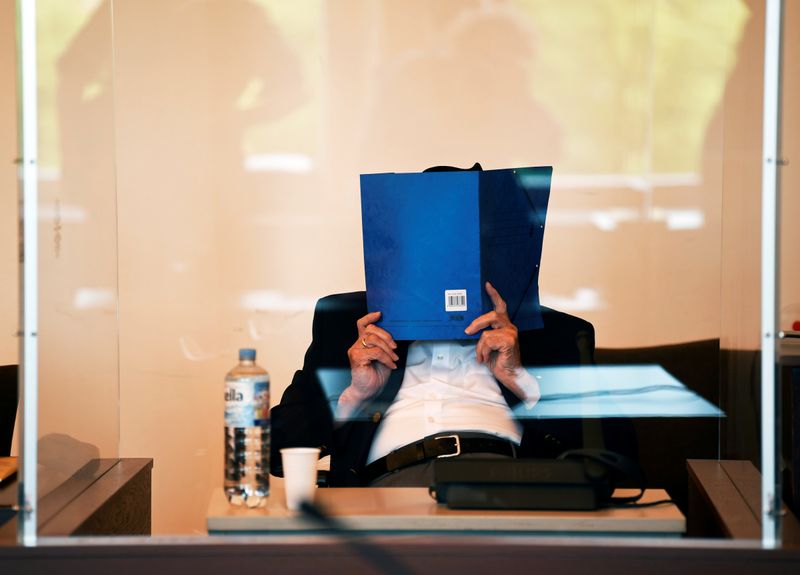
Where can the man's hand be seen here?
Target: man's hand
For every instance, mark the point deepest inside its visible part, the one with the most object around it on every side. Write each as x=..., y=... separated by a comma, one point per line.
x=498, y=347
x=372, y=358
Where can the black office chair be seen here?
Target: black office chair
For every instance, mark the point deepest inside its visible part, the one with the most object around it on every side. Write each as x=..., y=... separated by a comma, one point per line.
x=8, y=406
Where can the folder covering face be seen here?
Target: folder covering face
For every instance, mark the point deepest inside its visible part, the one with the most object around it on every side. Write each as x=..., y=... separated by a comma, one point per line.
x=432, y=240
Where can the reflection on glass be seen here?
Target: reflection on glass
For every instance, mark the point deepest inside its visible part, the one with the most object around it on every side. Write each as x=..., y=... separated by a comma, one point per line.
x=580, y=300
x=584, y=391
x=614, y=391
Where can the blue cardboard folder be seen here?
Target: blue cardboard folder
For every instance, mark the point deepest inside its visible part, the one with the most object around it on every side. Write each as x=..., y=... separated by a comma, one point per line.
x=431, y=241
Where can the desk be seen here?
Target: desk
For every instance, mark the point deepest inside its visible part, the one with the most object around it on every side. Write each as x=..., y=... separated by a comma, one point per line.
x=412, y=510
x=104, y=497
x=725, y=501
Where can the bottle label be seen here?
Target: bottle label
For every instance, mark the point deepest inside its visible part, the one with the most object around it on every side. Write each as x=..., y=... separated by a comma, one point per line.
x=247, y=401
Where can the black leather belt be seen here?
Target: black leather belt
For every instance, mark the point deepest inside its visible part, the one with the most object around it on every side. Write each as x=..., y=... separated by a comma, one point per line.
x=445, y=445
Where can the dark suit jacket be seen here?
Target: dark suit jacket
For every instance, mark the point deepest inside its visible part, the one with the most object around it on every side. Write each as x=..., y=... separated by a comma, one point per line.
x=304, y=416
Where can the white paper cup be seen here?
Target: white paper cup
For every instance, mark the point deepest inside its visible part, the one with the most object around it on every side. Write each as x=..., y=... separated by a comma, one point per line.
x=299, y=474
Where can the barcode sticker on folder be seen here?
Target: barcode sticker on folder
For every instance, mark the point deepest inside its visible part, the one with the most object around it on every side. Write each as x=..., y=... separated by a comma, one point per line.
x=455, y=300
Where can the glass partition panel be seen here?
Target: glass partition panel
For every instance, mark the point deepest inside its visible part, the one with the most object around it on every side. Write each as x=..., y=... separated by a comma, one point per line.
x=78, y=335
x=237, y=134
x=740, y=358
x=9, y=254
x=242, y=130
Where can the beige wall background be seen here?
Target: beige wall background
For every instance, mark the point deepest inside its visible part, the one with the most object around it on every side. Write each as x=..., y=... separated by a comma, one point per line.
x=200, y=167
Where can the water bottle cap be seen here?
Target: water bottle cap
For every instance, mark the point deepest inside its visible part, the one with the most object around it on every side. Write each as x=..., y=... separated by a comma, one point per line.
x=247, y=354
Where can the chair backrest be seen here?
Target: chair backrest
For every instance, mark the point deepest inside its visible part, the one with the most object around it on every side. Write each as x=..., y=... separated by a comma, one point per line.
x=8, y=406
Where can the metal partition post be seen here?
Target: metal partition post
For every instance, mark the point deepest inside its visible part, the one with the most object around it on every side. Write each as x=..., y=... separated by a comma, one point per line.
x=29, y=400
x=770, y=236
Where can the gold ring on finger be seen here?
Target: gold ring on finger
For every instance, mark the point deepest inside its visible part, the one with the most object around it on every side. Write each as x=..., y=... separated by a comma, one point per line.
x=364, y=342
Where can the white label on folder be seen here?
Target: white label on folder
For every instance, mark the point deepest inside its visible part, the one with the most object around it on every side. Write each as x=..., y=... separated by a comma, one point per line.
x=455, y=300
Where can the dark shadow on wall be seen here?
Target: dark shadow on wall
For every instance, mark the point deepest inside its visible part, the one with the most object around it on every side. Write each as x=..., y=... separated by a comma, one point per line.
x=462, y=94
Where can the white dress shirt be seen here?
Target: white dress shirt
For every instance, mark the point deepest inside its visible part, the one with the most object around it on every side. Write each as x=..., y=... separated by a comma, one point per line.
x=445, y=389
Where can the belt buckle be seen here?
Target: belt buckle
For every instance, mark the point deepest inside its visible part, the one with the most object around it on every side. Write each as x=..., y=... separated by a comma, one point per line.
x=458, y=446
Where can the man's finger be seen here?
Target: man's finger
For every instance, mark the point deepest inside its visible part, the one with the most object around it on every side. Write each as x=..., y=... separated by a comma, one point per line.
x=381, y=333
x=494, y=344
x=491, y=319
x=371, y=340
x=480, y=350
x=498, y=302
x=368, y=319
x=479, y=323
x=487, y=344
x=370, y=354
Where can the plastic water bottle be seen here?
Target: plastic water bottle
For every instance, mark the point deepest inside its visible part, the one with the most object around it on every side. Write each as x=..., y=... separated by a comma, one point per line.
x=247, y=432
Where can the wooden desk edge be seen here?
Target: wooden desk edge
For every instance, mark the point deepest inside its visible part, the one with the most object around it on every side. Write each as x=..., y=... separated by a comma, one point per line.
x=222, y=518
x=116, y=503
x=731, y=490
x=104, y=497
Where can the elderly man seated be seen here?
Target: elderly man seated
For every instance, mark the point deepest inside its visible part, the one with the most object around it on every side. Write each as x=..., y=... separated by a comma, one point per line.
x=397, y=406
